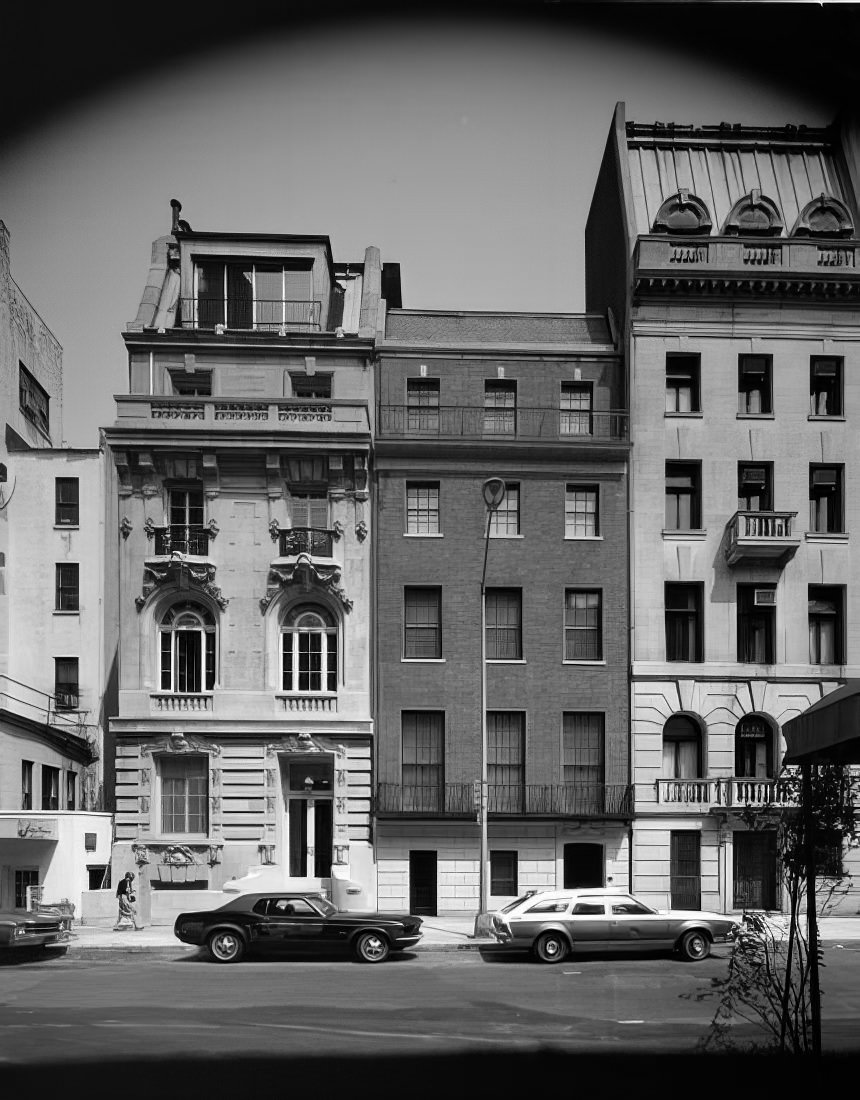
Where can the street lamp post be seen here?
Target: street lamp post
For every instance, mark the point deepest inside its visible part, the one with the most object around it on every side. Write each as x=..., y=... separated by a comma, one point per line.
x=493, y=491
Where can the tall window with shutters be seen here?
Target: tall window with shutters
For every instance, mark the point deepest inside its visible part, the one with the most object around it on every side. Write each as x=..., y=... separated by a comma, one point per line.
x=423, y=760
x=506, y=770
x=583, y=761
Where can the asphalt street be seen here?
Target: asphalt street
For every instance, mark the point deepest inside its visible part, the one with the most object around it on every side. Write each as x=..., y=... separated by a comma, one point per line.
x=330, y=1015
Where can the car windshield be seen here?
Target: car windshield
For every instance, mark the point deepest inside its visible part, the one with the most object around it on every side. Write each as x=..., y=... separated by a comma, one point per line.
x=324, y=906
x=627, y=904
x=513, y=904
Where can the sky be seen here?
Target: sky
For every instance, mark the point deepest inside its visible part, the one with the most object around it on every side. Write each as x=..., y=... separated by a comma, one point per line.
x=464, y=143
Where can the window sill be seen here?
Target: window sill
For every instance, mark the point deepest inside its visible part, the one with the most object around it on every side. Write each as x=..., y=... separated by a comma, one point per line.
x=695, y=536
x=57, y=611
x=67, y=527
x=595, y=663
x=583, y=538
x=492, y=536
x=507, y=661
x=827, y=536
x=824, y=416
x=419, y=535
x=684, y=415
x=756, y=416
x=422, y=660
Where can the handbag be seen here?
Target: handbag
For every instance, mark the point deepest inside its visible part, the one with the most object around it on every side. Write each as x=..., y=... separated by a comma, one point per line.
x=132, y=898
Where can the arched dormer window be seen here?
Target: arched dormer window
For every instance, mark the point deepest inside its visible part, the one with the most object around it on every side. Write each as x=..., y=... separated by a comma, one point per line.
x=682, y=748
x=825, y=216
x=753, y=748
x=309, y=650
x=187, y=649
x=754, y=215
x=683, y=214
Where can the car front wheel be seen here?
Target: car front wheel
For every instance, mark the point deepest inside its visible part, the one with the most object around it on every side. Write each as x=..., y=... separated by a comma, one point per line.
x=694, y=946
x=371, y=947
x=225, y=946
x=551, y=947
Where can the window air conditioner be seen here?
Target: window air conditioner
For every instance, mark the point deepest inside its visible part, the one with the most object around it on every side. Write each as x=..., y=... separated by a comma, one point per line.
x=764, y=597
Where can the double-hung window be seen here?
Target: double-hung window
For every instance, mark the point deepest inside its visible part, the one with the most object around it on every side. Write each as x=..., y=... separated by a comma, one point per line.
x=755, y=385
x=33, y=400
x=186, y=531
x=682, y=383
x=581, y=512
x=500, y=408
x=26, y=784
x=506, y=739
x=756, y=623
x=583, y=761
x=576, y=415
x=184, y=794
x=825, y=499
x=423, y=760
x=825, y=385
x=505, y=520
x=67, y=587
x=422, y=508
x=826, y=632
x=683, y=496
x=422, y=634
x=50, y=788
x=66, y=683
x=503, y=873
x=583, y=625
x=755, y=487
x=71, y=791
x=684, y=631
x=504, y=624
x=66, y=500
x=422, y=404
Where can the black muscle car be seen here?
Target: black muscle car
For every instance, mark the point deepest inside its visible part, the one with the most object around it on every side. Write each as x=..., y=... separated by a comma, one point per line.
x=284, y=923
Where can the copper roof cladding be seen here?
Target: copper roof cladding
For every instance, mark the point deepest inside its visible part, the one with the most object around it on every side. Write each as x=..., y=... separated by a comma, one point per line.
x=720, y=164
x=454, y=328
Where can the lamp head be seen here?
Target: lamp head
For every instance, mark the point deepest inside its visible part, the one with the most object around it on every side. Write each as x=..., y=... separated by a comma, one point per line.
x=493, y=490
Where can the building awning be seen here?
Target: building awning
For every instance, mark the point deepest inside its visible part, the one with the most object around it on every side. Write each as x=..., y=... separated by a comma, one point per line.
x=28, y=828
x=828, y=732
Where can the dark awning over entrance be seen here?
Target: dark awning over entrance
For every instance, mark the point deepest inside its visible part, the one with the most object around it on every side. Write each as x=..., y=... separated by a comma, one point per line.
x=829, y=732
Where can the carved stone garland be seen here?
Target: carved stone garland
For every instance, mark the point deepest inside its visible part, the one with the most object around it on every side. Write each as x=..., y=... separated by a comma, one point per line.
x=307, y=573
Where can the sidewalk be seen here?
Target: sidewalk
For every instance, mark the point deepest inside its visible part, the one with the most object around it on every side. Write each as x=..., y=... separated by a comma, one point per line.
x=445, y=933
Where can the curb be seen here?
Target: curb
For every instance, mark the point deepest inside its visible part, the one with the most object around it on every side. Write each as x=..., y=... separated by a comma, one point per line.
x=182, y=951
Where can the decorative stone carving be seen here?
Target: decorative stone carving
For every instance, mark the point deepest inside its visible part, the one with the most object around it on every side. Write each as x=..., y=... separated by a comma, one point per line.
x=337, y=530
x=125, y=527
x=301, y=742
x=182, y=573
x=361, y=472
x=267, y=854
x=274, y=530
x=270, y=803
x=825, y=216
x=179, y=741
x=340, y=805
x=149, y=527
x=683, y=213
x=120, y=459
x=211, y=477
x=213, y=529
x=144, y=804
x=309, y=574
x=215, y=851
x=753, y=215
x=140, y=853
x=361, y=530
x=215, y=802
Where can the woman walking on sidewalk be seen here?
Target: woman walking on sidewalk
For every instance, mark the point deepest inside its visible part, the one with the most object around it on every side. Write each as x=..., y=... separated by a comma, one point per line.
x=127, y=915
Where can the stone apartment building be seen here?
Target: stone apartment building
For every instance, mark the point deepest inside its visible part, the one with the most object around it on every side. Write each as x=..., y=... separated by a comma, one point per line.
x=239, y=498
x=54, y=837
x=730, y=255
x=536, y=400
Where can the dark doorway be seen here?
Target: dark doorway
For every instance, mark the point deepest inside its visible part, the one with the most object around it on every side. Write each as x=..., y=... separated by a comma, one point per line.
x=685, y=870
x=755, y=870
x=422, y=883
x=583, y=865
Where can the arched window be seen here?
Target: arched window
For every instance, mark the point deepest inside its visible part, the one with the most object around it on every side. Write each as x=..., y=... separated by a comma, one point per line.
x=825, y=216
x=682, y=749
x=754, y=215
x=187, y=647
x=683, y=214
x=753, y=748
x=309, y=650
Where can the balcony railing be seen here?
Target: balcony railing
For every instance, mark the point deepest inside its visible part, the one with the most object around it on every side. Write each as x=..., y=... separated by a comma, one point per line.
x=443, y=800
x=191, y=539
x=741, y=792
x=561, y=800
x=256, y=314
x=476, y=422
x=695, y=794
x=756, y=536
x=223, y=414
x=305, y=540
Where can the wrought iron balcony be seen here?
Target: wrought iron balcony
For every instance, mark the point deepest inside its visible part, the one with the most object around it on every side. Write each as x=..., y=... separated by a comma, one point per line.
x=315, y=541
x=761, y=536
x=442, y=800
x=257, y=314
x=192, y=539
x=560, y=800
x=572, y=426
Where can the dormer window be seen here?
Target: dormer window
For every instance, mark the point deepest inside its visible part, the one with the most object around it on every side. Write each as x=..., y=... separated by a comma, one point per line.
x=754, y=215
x=683, y=214
x=825, y=216
x=266, y=297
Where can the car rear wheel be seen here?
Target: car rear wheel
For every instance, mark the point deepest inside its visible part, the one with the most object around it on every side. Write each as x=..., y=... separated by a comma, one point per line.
x=694, y=946
x=551, y=947
x=225, y=946
x=371, y=947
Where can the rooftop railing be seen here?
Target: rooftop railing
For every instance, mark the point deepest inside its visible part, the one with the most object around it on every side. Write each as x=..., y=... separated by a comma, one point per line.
x=255, y=314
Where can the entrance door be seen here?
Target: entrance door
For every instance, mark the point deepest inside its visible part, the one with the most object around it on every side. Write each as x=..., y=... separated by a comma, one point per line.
x=685, y=870
x=755, y=870
x=310, y=824
x=583, y=865
x=422, y=883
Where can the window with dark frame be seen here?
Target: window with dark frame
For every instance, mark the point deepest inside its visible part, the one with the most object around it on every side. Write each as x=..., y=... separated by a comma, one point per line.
x=684, y=626
x=66, y=502
x=682, y=748
x=309, y=510
x=422, y=404
x=503, y=874
x=756, y=623
x=186, y=530
x=506, y=761
x=423, y=760
x=581, y=512
x=826, y=624
x=312, y=387
x=26, y=784
x=187, y=649
x=33, y=401
x=576, y=411
x=755, y=486
x=504, y=624
x=683, y=496
x=66, y=683
x=583, y=755
x=50, y=788
x=500, y=408
x=825, y=385
x=71, y=791
x=505, y=520
x=67, y=587
x=188, y=384
x=683, y=373
x=583, y=625
x=422, y=508
x=309, y=650
x=753, y=748
x=826, y=510
x=755, y=385
x=267, y=297
x=24, y=877
x=184, y=794
x=422, y=628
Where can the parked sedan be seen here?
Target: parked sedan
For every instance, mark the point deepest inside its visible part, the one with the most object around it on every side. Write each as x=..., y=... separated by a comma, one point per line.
x=552, y=923
x=21, y=930
x=275, y=923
